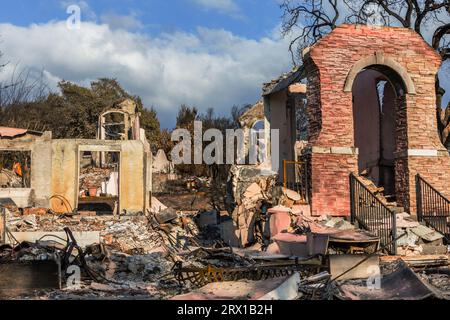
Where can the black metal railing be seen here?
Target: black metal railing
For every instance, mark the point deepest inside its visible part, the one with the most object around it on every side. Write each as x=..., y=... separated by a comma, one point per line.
x=432, y=207
x=295, y=177
x=372, y=214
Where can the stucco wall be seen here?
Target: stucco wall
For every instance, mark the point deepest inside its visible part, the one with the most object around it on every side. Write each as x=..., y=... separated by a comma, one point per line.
x=40, y=148
x=283, y=119
x=65, y=168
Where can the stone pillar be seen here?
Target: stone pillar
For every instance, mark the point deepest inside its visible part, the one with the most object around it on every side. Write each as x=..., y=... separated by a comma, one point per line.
x=329, y=179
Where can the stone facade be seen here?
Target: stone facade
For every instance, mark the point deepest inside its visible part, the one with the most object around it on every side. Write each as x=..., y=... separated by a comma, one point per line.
x=331, y=68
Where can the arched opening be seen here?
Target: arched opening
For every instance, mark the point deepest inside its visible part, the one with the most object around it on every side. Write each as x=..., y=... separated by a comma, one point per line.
x=258, y=125
x=258, y=139
x=378, y=95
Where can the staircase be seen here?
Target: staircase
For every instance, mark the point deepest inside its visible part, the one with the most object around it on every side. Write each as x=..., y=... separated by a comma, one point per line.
x=378, y=192
x=373, y=212
x=433, y=207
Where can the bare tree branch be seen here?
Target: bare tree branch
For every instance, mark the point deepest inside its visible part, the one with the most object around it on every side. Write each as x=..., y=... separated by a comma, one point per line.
x=310, y=20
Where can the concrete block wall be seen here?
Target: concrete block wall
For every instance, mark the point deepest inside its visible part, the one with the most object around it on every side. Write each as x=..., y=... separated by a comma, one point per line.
x=133, y=172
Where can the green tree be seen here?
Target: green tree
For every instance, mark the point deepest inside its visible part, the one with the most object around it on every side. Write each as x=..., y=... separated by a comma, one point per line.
x=74, y=112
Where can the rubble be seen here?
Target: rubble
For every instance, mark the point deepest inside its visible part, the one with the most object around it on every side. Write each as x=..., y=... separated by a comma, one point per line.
x=401, y=284
x=94, y=177
x=9, y=179
x=169, y=253
x=131, y=237
x=283, y=288
x=251, y=195
x=418, y=239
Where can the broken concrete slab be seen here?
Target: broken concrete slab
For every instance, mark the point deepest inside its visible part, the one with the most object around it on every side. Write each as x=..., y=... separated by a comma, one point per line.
x=285, y=288
x=157, y=206
x=292, y=195
x=19, y=278
x=402, y=284
x=166, y=215
x=410, y=239
x=405, y=221
x=341, y=263
x=427, y=233
x=339, y=223
x=84, y=239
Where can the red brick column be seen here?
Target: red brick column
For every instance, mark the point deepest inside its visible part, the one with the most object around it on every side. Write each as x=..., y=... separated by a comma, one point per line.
x=330, y=183
x=331, y=66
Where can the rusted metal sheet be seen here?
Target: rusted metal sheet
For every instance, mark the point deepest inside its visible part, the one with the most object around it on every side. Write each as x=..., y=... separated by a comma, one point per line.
x=11, y=132
x=402, y=284
x=18, y=278
x=202, y=276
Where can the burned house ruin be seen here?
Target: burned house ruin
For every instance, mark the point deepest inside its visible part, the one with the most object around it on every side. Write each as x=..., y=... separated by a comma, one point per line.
x=56, y=172
x=369, y=109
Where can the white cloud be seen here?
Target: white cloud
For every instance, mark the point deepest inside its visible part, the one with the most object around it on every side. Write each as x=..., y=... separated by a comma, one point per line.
x=87, y=13
x=208, y=68
x=118, y=21
x=221, y=6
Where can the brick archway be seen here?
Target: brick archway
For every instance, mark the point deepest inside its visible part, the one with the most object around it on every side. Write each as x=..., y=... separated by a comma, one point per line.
x=378, y=59
x=331, y=66
x=378, y=94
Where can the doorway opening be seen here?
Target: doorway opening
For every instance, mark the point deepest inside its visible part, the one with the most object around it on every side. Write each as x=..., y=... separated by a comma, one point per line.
x=377, y=93
x=99, y=182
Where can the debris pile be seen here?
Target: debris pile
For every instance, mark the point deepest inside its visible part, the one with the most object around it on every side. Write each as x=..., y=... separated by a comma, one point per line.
x=417, y=238
x=251, y=197
x=23, y=223
x=94, y=177
x=131, y=236
x=10, y=179
x=280, y=252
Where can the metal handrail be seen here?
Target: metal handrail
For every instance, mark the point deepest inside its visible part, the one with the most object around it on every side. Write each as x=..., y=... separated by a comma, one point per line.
x=433, y=188
x=432, y=204
x=304, y=180
x=373, y=215
x=375, y=197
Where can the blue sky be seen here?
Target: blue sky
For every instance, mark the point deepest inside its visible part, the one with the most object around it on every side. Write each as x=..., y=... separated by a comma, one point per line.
x=249, y=18
x=207, y=53
x=203, y=53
